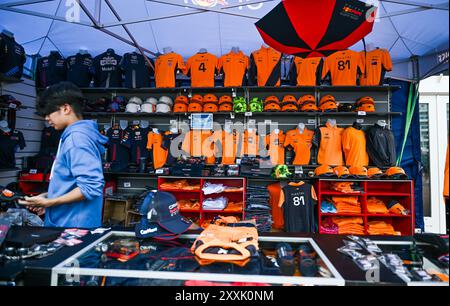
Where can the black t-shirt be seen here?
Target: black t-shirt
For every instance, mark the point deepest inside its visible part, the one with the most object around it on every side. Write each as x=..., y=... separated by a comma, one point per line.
x=9, y=143
x=135, y=138
x=12, y=57
x=380, y=144
x=50, y=70
x=117, y=152
x=106, y=70
x=136, y=70
x=79, y=68
x=50, y=141
x=298, y=208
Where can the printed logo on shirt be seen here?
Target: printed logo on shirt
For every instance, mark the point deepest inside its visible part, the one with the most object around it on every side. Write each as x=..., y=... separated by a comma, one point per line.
x=108, y=61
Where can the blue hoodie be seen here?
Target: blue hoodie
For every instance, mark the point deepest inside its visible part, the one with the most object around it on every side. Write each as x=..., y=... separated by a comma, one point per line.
x=78, y=164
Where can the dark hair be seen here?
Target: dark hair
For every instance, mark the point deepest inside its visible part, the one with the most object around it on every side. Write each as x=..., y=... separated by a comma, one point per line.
x=57, y=95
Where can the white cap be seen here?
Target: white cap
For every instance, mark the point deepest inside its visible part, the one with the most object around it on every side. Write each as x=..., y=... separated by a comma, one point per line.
x=135, y=100
x=151, y=100
x=163, y=108
x=166, y=100
x=132, y=108
x=147, y=108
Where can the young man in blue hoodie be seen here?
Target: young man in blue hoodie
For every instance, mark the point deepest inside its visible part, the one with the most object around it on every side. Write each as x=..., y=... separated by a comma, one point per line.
x=75, y=193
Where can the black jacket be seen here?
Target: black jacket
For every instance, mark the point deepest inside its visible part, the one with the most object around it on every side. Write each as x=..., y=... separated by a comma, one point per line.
x=79, y=69
x=12, y=57
x=380, y=145
x=106, y=70
x=50, y=70
x=136, y=70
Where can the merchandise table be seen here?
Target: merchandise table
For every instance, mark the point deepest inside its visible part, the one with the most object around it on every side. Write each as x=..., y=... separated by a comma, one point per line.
x=38, y=272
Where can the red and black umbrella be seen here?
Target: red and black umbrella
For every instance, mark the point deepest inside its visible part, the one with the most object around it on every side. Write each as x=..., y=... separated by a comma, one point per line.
x=309, y=28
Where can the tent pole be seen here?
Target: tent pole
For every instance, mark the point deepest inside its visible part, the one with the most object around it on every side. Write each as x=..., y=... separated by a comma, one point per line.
x=98, y=10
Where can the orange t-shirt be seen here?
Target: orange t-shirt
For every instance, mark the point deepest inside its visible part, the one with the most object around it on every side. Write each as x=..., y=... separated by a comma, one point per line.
x=154, y=143
x=275, y=144
x=233, y=66
x=202, y=67
x=228, y=143
x=305, y=70
x=277, y=211
x=446, y=174
x=166, y=67
x=266, y=67
x=375, y=62
x=250, y=143
x=198, y=143
x=301, y=143
x=330, y=146
x=354, y=146
x=344, y=67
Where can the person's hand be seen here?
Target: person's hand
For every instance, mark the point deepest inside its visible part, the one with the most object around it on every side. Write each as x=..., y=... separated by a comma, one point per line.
x=37, y=201
x=37, y=210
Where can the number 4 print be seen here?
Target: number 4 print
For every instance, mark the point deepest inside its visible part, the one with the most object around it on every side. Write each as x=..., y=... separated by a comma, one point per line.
x=202, y=67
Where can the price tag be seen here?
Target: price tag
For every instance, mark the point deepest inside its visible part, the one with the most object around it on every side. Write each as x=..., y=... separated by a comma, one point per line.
x=360, y=121
x=190, y=95
x=159, y=171
x=33, y=171
x=232, y=115
x=238, y=161
x=233, y=94
x=248, y=114
x=361, y=113
x=12, y=105
x=127, y=185
x=311, y=121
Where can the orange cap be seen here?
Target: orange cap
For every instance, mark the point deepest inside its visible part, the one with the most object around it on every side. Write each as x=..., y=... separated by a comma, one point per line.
x=330, y=105
x=396, y=172
x=306, y=98
x=365, y=100
x=358, y=171
x=324, y=170
x=374, y=172
x=225, y=99
x=272, y=107
x=210, y=98
x=210, y=108
x=226, y=107
x=289, y=98
x=309, y=107
x=182, y=99
x=368, y=108
x=180, y=107
x=197, y=99
x=326, y=98
x=195, y=107
x=272, y=99
x=341, y=171
x=289, y=107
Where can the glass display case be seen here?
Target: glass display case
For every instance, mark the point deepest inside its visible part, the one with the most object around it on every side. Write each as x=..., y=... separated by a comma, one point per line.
x=118, y=258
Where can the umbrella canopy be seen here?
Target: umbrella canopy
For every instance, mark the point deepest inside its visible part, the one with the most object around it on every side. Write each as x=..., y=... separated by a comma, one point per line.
x=309, y=28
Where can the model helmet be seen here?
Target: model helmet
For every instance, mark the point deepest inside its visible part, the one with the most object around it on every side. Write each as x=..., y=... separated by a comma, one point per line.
x=135, y=100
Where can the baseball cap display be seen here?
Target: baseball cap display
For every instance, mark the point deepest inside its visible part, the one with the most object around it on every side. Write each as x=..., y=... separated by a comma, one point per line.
x=163, y=108
x=341, y=171
x=135, y=100
x=160, y=217
x=306, y=99
x=324, y=170
x=396, y=173
x=132, y=108
x=256, y=105
x=165, y=100
x=365, y=104
x=239, y=105
x=359, y=172
x=374, y=172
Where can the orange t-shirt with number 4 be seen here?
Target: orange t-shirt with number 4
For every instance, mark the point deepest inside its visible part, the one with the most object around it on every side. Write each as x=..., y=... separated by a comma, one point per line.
x=202, y=68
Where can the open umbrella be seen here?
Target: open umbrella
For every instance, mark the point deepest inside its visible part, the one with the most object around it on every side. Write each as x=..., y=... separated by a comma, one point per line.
x=316, y=27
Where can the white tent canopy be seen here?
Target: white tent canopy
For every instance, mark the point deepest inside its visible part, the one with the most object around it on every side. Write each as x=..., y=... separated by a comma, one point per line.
x=404, y=27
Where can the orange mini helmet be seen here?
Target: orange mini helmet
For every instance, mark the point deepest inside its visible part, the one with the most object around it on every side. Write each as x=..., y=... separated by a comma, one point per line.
x=396, y=173
x=225, y=99
x=374, y=172
x=197, y=99
x=226, y=107
x=359, y=172
x=327, y=98
x=306, y=99
x=180, y=108
x=210, y=108
x=341, y=171
x=368, y=108
x=210, y=98
x=324, y=170
x=309, y=107
x=195, y=107
x=182, y=99
x=365, y=100
x=289, y=98
x=328, y=106
x=272, y=107
x=272, y=99
x=289, y=107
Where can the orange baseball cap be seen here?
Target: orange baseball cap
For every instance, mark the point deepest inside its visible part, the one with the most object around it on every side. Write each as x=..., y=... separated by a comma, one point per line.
x=210, y=98
x=368, y=108
x=327, y=98
x=324, y=170
x=272, y=99
x=210, y=108
x=306, y=98
x=359, y=172
x=341, y=171
x=396, y=173
x=374, y=172
x=197, y=99
x=180, y=107
x=328, y=106
x=289, y=107
x=272, y=107
x=365, y=100
x=309, y=107
x=195, y=107
x=226, y=107
x=182, y=99
x=289, y=98
x=225, y=99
